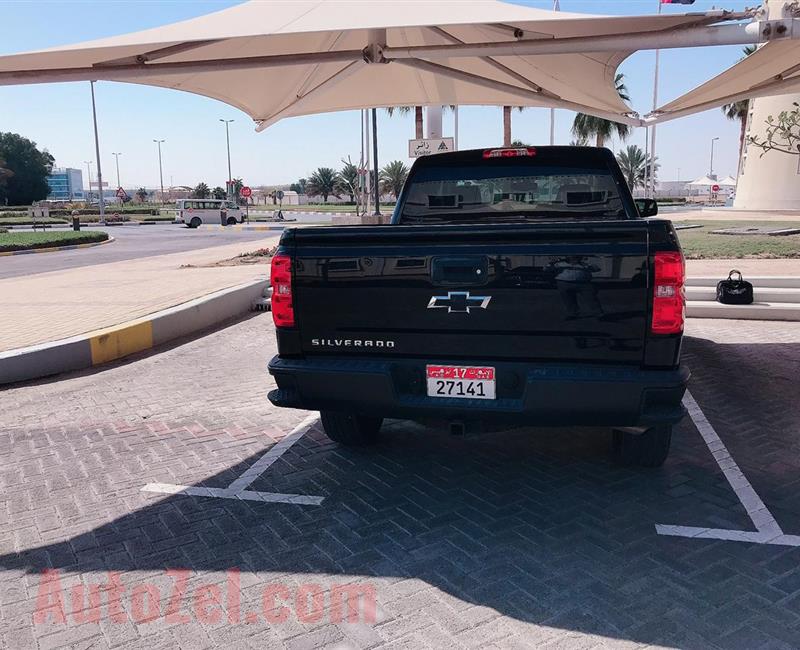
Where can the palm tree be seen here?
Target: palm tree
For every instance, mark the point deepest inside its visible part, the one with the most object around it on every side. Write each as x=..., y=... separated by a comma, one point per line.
x=323, y=182
x=201, y=191
x=418, y=119
x=299, y=186
x=739, y=110
x=579, y=142
x=507, y=124
x=218, y=193
x=348, y=180
x=141, y=194
x=587, y=126
x=633, y=164
x=393, y=177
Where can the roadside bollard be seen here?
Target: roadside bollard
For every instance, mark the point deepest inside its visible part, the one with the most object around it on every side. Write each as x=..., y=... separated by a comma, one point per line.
x=76, y=220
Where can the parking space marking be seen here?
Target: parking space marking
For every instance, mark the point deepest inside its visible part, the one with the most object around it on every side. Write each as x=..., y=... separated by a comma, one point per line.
x=768, y=531
x=237, y=489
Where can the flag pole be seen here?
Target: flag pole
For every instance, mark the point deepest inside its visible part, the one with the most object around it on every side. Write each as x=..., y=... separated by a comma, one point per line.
x=652, y=162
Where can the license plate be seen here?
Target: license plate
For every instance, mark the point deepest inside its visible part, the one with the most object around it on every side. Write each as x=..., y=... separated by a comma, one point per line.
x=466, y=382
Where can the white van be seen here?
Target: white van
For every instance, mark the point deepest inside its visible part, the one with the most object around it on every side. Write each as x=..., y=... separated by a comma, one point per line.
x=194, y=212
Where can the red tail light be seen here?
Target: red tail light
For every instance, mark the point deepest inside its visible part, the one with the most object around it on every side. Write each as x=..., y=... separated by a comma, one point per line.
x=281, y=281
x=668, y=296
x=509, y=153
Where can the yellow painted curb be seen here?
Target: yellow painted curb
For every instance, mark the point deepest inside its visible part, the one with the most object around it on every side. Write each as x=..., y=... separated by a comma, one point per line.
x=117, y=342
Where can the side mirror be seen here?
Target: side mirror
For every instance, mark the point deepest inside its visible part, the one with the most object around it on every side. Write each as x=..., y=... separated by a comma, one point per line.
x=647, y=207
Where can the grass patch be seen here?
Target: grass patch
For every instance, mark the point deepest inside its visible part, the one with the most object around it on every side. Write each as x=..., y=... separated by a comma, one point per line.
x=312, y=207
x=20, y=241
x=11, y=219
x=700, y=243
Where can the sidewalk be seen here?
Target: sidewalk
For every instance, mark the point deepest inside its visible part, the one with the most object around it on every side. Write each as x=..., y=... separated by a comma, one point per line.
x=748, y=267
x=60, y=304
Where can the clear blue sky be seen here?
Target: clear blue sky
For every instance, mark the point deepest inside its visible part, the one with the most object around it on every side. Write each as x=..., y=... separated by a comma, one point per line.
x=58, y=116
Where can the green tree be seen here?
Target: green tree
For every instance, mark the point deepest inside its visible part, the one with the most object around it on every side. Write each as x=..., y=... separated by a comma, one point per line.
x=323, y=182
x=299, y=186
x=633, y=164
x=238, y=184
x=141, y=195
x=5, y=173
x=740, y=110
x=27, y=169
x=579, y=142
x=393, y=177
x=201, y=191
x=782, y=133
x=588, y=126
x=218, y=193
x=348, y=180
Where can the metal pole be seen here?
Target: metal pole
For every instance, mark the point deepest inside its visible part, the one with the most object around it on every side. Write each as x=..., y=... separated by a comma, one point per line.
x=433, y=115
x=228, y=143
x=160, y=170
x=556, y=7
x=101, y=200
x=455, y=128
x=89, y=181
x=711, y=168
x=367, y=182
x=646, y=157
x=651, y=162
x=376, y=180
x=117, y=155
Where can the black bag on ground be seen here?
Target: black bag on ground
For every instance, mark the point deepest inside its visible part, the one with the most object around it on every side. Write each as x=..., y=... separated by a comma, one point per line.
x=734, y=292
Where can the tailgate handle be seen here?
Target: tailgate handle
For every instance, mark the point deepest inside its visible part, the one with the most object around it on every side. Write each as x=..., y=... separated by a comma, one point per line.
x=460, y=270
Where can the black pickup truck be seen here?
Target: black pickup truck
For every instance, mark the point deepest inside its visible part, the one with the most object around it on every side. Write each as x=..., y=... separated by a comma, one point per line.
x=514, y=285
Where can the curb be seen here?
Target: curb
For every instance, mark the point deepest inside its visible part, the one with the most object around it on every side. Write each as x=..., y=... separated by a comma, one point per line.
x=112, y=343
x=238, y=227
x=53, y=249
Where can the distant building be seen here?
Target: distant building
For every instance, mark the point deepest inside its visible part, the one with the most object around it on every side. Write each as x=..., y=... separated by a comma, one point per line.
x=66, y=184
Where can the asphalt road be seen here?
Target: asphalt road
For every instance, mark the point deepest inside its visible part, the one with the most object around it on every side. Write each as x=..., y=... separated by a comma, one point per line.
x=132, y=242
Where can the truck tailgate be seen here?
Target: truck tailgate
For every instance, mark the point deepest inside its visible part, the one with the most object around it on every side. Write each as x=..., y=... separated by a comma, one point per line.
x=547, y=291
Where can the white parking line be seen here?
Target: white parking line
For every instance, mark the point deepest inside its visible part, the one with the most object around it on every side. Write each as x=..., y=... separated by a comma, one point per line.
x=237, y=489
x=767, y=529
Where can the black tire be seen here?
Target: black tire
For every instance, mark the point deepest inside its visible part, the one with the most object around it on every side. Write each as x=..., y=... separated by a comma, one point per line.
x=195, y=222
x=349, y=429
x=647, y=449
x=231, y=221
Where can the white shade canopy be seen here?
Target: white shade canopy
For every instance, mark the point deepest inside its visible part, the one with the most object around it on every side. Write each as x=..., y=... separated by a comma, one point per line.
x=774, y=69
x=286, y=58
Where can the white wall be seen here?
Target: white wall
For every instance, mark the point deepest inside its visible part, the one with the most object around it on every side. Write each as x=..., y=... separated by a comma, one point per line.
x=771, y=181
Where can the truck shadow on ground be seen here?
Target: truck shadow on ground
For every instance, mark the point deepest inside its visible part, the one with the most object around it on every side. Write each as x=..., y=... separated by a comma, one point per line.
x=537, y=525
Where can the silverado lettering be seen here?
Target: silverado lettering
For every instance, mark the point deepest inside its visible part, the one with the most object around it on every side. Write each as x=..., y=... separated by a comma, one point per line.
x=356, y=343
x=522, y=286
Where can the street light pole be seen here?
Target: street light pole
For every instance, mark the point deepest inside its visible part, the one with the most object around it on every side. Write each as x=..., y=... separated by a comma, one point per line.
x=228, y=143
x=89, y=178
x=160, y=170
x=711, y=169
x=100, y=201
x=116, y=155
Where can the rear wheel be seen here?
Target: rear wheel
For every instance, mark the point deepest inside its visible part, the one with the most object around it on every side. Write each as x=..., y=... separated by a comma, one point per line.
x=647, y=449
x=349, y=429
x=195, y=222
x=231, y=221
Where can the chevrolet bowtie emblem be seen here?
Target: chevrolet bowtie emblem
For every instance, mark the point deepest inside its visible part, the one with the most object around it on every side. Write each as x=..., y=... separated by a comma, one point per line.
x=459, y=302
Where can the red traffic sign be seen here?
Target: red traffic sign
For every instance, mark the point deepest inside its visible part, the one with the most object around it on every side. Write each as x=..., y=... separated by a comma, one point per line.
x=245, y=192
x=121, y=193
x=715, y=188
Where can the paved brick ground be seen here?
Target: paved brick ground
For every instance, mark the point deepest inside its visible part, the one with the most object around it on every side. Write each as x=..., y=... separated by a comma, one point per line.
x=51, y=306
x=527, y=538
